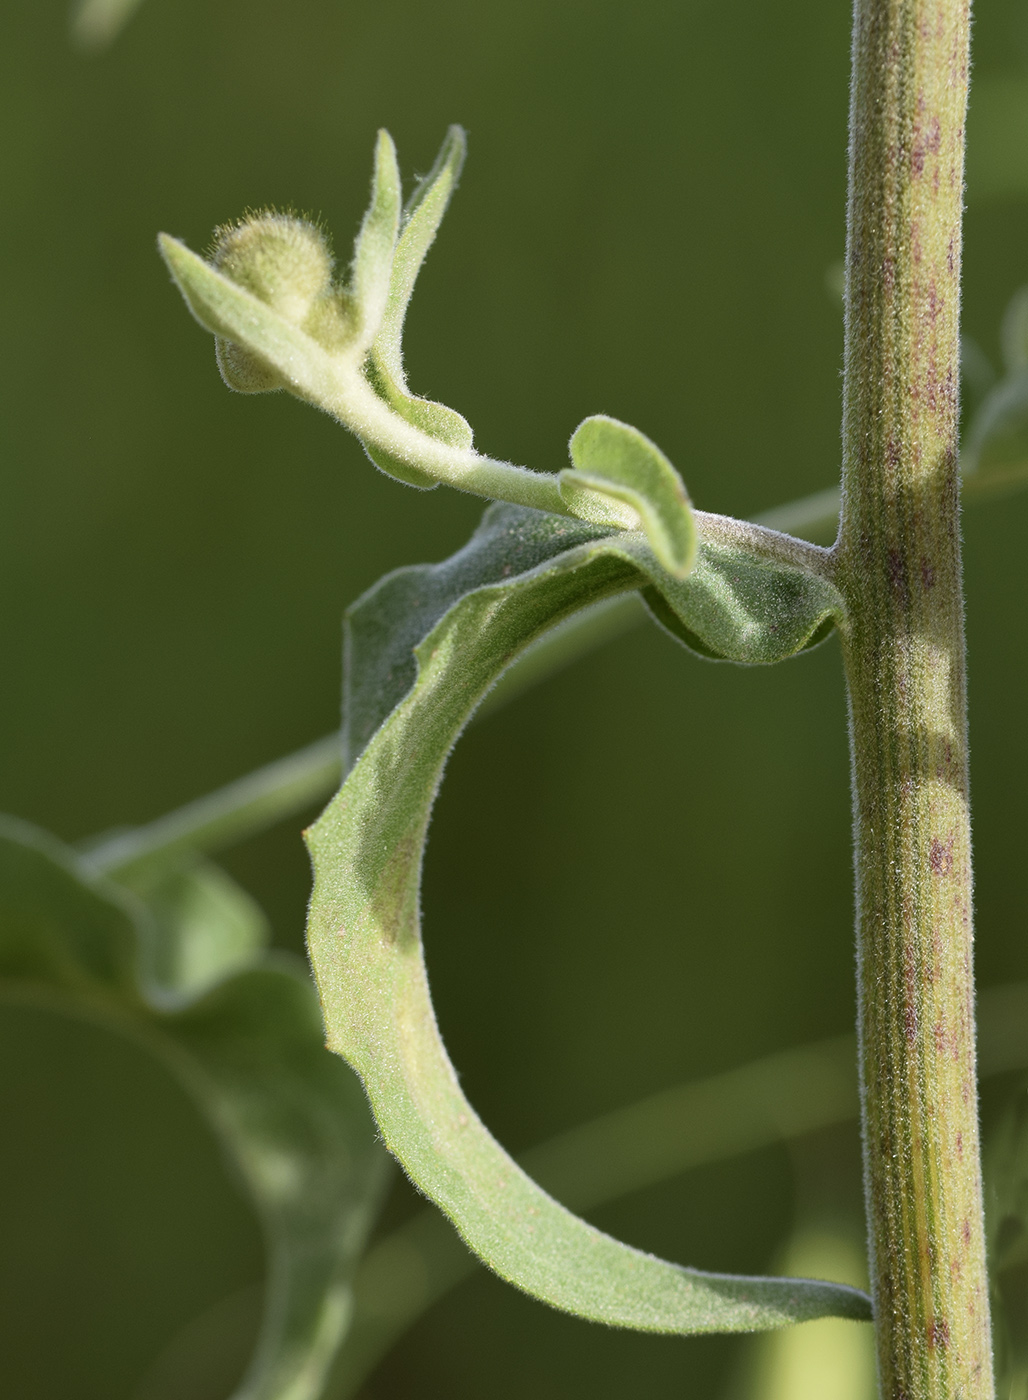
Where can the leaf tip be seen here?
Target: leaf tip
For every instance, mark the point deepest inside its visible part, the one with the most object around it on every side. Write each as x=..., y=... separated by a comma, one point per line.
x=386, y=160
x=455, y=149
x=173, y=251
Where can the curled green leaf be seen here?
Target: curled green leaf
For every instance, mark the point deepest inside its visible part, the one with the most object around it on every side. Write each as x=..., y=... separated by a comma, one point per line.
x=621, y=478
x=441, y=637
x=181, y=966
x=734, y=607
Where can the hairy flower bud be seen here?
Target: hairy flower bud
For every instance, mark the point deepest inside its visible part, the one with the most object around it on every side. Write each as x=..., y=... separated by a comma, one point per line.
x=286, y=263
x=283, y=260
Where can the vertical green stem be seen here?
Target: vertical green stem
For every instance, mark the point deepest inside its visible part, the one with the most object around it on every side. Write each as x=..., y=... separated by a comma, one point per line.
x=898, y=557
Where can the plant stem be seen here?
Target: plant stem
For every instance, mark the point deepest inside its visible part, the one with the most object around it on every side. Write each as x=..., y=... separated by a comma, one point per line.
x=232, y=813
x=360, y=409
x=898, y=559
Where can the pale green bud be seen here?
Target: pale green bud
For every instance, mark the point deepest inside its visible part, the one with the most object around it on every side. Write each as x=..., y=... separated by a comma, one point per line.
x=287, y=264
x=283, y=260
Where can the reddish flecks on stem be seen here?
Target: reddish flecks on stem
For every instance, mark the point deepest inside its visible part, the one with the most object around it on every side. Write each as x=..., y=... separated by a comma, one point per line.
x=898, y=559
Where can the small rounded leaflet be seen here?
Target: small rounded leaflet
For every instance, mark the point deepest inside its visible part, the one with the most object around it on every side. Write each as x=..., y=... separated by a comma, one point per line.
x=623, y=479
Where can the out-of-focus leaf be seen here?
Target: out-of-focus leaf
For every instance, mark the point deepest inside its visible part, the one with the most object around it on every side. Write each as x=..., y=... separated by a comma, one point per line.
x=977, y=375
x=240, y=1027
x=442, y=637
x=618, y=469
x=306, y=1147
x=97, y=23
x=1014, y=332
x=994, y=459
x=994, y=453
x=207, y=927
x=1006, y=1214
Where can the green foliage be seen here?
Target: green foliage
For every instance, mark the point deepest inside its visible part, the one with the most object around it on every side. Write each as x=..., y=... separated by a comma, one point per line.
x=789, y=1094
x=280, y=322
x=376, y=242
x=180, y=965
x=735, y=603
x=339, y=346
x=996, y=456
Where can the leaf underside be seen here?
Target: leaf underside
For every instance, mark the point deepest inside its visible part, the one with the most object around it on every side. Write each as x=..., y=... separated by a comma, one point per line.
x=424, y=646
x=180, y=966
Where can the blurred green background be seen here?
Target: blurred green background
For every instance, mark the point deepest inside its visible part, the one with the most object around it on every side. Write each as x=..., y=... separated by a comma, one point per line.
x=640, y=872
